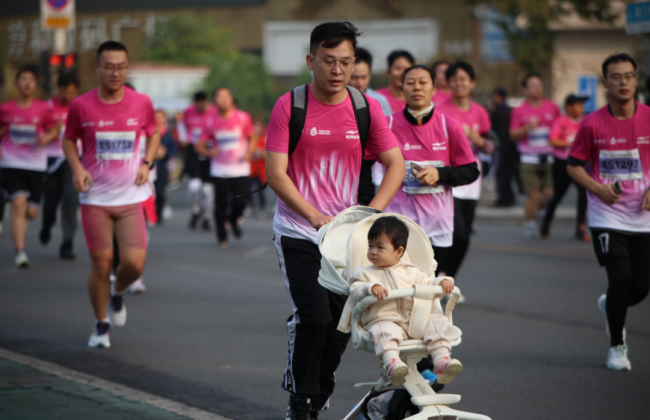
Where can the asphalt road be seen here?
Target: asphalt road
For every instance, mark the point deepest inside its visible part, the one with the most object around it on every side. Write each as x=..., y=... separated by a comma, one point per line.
x=209, y=332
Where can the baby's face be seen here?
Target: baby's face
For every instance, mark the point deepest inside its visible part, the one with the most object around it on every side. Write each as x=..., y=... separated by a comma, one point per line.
x=382, y=253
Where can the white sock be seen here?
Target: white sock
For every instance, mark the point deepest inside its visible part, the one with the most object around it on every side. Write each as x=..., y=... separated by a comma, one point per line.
x=105, y=320
x=530, y=224
x=388, y=357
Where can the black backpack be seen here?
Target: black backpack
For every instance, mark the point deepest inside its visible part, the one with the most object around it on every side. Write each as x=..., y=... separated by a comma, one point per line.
x=299, y=95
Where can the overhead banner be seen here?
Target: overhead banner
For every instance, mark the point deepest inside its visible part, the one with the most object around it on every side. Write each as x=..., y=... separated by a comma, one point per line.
x=57, y=14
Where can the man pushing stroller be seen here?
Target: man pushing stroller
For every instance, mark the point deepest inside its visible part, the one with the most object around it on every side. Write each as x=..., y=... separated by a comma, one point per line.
x=388, y=321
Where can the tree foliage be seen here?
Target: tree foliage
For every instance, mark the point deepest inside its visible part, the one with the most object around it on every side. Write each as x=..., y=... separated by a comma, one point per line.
x=526, y=24
x=196, y=40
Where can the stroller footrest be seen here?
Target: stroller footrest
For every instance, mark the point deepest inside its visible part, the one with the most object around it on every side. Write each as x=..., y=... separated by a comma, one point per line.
x=438, y=399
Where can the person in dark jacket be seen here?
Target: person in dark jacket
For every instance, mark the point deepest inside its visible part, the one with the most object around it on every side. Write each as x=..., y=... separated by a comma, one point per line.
x=508, y=154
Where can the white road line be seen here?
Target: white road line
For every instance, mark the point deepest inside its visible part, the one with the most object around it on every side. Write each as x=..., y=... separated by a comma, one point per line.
x=121, y=390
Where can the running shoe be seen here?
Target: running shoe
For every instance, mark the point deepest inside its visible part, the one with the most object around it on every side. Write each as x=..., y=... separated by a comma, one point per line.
x=65, y=252
x=581, y=233
x=206, y=225
x=545, y=230
x=137, y=287
x=21, y=260
x=236, y=231
x=299, y=407
x=447, y=370
x=617, y=358
x=117, y=310
x=530, y=232
x=44, y=236
x=602, y=305
x=100, y=336
x=397, y=371
x=194, y=220
x=223, y=245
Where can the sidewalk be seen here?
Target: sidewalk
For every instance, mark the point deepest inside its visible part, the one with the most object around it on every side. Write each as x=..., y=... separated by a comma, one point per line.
x=32, y=389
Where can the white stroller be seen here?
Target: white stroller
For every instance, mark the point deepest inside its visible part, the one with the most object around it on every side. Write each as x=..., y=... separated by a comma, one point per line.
x=351, y=228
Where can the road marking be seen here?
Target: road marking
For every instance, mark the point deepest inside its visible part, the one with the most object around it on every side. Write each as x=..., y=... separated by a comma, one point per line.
x=534, y=251
x=231, y=276
x=112, y=387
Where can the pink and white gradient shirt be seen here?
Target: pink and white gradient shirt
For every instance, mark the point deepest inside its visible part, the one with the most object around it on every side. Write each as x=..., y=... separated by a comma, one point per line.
x=58, y=112
x=197, y=125
x=619, y=151
x=478, y=120
x=20, y=148
x=326, y=163
x=230, y=136
x=535, y=143
x=565, y=129
x=110, y=135
x=439, y=142
x=396, y=105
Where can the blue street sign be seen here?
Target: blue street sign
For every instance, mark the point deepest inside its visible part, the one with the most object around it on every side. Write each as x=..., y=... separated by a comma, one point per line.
x=638, y=18
x=587, y=87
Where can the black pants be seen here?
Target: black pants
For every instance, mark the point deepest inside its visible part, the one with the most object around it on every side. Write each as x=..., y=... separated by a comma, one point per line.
x=161, y=188
x=464, y=211
x=315, y=346
x=625, y=257
x=561, y=183
x=507, y=171
x=223, y=189
x=58, y=188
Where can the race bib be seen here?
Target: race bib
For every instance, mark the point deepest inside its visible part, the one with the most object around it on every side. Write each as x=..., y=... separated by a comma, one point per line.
x=622, y=165
x=412, y=184
x=115, y=145
x=196, y=134
x=228, y=139
x=538, y=137
x=21, y=134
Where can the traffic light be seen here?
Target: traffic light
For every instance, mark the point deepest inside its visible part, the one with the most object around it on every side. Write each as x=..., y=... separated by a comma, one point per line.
x=52, y=65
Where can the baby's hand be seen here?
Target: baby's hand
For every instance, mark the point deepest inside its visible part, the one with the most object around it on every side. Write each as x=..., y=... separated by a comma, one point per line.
x=447, y=285
x=380, y=291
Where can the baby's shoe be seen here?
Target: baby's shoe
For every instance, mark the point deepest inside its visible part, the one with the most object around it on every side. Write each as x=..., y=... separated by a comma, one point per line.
x=448, y=369
x=397, y=371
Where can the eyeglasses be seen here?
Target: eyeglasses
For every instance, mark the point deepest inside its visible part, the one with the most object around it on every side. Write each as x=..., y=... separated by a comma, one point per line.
x=617, y=78
x=330, y=63
x=113, y=69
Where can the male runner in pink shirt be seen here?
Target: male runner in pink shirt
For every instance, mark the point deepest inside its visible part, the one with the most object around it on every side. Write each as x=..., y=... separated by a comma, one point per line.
x=316, y=182
x=616, y=141
x=398, y=61
x=112, y=179
x=23, y=159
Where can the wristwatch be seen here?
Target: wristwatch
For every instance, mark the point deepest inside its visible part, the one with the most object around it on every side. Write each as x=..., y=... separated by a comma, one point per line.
x=149, y=164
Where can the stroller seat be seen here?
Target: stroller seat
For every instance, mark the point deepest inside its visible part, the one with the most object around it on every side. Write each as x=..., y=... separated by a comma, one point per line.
x=343, y=244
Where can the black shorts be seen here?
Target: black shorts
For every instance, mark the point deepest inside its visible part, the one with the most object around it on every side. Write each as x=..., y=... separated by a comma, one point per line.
x=196, y=166
x=17, y=182
x=610, y=244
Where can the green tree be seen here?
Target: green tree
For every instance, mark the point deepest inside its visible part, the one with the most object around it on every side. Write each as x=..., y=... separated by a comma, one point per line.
x=196, y=40
x=526, y=24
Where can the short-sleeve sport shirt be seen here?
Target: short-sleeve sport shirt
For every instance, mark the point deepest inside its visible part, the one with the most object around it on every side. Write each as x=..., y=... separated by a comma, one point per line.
x=619, y=150
x=110, y=135
x=230, y=136
x=20, y=148
x=565, y=129
x=326, y=163
x=535, y=143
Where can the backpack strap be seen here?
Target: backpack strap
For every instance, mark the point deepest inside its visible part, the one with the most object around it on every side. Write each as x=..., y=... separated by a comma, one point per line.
x=298, y=116
x=361, y=113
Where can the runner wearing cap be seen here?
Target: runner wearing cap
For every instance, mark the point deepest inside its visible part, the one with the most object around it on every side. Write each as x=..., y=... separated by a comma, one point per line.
x=616, y=141
x=112, y=178
x=398, y=61
x=562, y=134
x=530, y=124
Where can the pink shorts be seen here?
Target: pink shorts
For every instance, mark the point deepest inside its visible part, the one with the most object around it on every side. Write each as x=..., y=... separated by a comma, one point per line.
x=102, y=223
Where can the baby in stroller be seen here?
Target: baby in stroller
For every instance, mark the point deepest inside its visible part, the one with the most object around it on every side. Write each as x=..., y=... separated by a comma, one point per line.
x=388, y=321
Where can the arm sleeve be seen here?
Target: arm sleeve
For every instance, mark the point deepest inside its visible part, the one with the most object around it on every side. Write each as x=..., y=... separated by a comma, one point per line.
x=360, y=285
x=455, y=176
x=73, y=124
x=436, y=281
x=277, y=139
x=380, y=136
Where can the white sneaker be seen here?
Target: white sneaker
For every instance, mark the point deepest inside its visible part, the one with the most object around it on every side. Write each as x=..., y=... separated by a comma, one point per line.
x=117, y=310
x=603, y=308
x=137, y=287
x=530, y=232
x=99, y=338
x=397, y=371
x=617, y=358
x=21, y=260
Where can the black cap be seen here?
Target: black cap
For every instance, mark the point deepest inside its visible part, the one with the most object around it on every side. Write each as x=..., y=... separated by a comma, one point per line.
x=572, y=99
x=501, y=92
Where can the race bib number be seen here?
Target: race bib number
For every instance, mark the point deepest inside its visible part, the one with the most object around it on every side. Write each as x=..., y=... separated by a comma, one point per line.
x=22, y=134
x=196, y=134
x=412, y=184
x=228, y=139
x=622, y=165
x=538, y=137
x=115, y=145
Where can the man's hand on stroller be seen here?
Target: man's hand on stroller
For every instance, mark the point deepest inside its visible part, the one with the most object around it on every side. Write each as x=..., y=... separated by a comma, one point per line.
x=447, y=285
x=319, y=220
x=381, y=292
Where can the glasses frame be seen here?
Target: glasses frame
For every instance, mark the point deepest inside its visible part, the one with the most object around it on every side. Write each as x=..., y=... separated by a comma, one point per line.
x=624, y=77
x=341, y=63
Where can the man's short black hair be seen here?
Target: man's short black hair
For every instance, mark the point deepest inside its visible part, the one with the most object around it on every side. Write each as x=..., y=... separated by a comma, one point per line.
x=111, y=46
x=501, y=91
x=363, y=56
x=528, y=76
x=399, y=54
x=26, y=69
x=618, y=58
x=331, y=34
x=435, y=64
x=68, y=78
x=423, y=67
x=460, y=65
x=200, y=96
x=395, y=229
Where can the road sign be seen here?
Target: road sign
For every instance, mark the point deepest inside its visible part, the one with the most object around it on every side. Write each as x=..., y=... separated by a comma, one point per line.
x=638, y=18
x=587, y=87
x=57, y=14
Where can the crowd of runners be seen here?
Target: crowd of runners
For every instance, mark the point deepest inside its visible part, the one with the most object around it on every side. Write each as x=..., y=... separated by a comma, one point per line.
x=412, y=148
